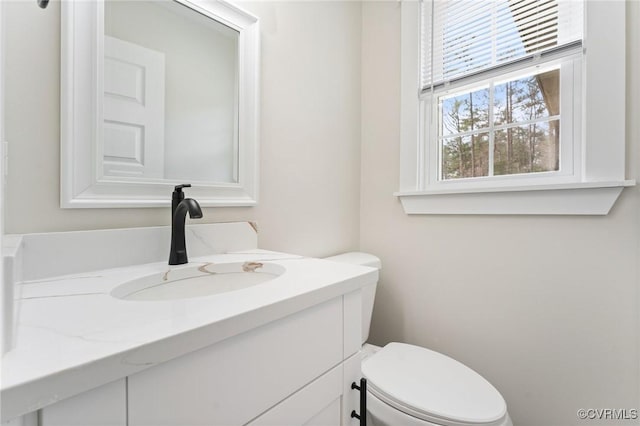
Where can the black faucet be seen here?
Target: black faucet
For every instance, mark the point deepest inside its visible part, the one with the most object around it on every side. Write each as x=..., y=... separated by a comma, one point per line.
x=179, y=208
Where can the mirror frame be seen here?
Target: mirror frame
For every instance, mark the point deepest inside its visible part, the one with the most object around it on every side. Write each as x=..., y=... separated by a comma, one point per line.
x=82, y=82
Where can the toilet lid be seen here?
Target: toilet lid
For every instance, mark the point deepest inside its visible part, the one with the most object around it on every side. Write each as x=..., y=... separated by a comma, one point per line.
x=432, y=386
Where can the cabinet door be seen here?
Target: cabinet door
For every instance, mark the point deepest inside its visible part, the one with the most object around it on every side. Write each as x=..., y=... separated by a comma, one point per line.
x=330, y=415
x=328, y=400
x=103, y=406
x=30, y=419
x=318, y=403
x=234, y=381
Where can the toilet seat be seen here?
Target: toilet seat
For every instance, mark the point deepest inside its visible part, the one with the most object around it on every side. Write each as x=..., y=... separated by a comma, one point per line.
x=432, y=387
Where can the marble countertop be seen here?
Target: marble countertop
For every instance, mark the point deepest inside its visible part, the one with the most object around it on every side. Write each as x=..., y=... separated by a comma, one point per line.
x=71, y=335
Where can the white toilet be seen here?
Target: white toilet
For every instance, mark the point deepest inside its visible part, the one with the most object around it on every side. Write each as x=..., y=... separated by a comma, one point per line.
x=409, y=385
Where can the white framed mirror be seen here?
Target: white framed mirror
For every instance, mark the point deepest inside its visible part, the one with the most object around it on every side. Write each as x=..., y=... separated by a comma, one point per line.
x=158, y=93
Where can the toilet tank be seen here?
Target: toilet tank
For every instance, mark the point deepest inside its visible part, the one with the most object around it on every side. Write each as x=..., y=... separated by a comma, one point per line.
x=368, y=291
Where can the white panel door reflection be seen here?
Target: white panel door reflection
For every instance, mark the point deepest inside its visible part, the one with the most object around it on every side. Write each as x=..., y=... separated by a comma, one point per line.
x=133, y=135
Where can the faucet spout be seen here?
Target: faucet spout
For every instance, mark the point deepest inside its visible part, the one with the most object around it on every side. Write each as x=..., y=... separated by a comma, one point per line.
x=178, y=254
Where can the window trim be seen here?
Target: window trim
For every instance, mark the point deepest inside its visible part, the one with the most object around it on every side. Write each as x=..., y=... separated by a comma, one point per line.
x=599, y=145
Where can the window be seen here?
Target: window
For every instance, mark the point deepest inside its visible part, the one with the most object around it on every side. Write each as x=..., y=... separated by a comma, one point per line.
x=499, y=127
x=498, y=108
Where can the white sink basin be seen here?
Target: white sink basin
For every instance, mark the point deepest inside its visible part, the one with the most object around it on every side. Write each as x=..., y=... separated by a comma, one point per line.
x=198, y=281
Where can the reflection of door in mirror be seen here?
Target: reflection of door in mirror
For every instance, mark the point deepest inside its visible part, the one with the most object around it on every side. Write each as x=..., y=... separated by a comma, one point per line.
x=133, y=127
x=171, y=94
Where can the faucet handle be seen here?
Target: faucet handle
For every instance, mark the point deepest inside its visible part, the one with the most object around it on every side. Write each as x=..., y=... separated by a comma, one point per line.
x=177, y=196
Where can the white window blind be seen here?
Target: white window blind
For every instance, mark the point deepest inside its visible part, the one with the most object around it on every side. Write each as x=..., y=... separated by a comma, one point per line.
x=466, y=37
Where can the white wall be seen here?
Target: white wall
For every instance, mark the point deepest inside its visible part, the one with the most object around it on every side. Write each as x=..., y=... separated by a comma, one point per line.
x=310, y=134
x=546, y=308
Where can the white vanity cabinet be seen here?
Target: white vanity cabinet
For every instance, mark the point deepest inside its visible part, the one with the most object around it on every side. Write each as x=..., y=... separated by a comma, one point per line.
x=285, y=372
x=281, y=351
x=103, y=406
x=293, y=371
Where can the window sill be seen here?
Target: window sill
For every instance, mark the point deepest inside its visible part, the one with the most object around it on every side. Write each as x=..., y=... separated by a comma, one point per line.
x=584, y=198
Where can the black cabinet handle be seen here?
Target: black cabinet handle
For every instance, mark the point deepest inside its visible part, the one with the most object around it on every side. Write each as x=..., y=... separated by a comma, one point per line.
x=363, y=402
